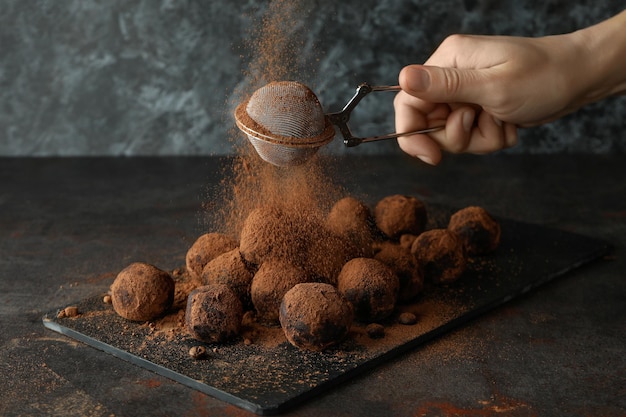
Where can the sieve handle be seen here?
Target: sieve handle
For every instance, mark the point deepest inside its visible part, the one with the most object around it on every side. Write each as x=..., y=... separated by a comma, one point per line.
x=341, y=119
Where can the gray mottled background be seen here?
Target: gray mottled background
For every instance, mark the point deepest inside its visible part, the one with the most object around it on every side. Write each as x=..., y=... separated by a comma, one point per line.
x=119, y=77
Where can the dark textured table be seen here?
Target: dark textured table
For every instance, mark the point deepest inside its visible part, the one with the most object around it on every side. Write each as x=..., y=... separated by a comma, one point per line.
x=67, y=226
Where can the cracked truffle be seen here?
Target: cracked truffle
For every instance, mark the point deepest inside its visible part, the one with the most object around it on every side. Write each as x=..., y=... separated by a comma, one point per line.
x=315, y=316
x=213, y=314
x=142, y=292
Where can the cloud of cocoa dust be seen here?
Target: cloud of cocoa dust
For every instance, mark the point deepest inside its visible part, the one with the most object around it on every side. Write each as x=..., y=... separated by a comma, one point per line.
x=276, y=45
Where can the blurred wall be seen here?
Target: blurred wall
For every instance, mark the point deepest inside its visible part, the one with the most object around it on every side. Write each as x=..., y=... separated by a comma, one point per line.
x=147, y=77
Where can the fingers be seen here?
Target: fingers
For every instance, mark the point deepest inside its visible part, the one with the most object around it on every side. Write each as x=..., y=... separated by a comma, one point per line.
x=467, y=130
x=491, y=135
x=413, y=114
x=422, y=147
x=444, y=85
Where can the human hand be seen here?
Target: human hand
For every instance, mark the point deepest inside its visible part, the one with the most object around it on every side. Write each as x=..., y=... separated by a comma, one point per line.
x=483, y=88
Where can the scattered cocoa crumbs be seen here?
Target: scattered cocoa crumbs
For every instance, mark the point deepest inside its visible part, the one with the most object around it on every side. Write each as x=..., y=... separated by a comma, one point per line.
x=407, y=318
x=375, y=330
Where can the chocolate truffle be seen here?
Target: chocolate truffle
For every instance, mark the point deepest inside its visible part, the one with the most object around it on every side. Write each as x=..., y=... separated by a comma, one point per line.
x=273, y=279
x=371, y=286
x=230, y=269
x=315, y=316
x=479, y=232
x=406, y=240
x=399, y=214
x=441, y=254
x=352, y=219
x=142, y=292
x=270, y=232
x=206, y=248
x=406, y=267
x=213, y=314
x=326, y=255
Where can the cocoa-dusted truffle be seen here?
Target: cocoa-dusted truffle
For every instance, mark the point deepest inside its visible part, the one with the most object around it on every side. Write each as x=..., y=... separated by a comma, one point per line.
x=399, y=214
x=262, y=234
x=142, y=292
x=326, y=254
x=352, y=219
x=230, y=269
x=271, y=232
x=206, y=248
x=441, y=254
x=406, y=267
x=479, y=232
x=406, y=240
x=213, y=314
x=315, y=316
x=273, y=279
x=371, y=286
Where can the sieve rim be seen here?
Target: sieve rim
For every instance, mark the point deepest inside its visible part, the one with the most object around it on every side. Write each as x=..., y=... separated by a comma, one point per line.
x=317, y=141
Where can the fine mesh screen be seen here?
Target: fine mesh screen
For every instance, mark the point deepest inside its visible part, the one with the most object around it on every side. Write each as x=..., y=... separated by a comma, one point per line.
x=287, y=108
x=285, y=123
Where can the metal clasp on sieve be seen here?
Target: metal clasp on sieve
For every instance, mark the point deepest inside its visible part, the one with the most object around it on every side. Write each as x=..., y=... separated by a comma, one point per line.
x=341, y=118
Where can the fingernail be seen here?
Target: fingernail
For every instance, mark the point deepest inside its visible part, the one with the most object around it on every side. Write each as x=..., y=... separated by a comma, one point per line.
x=468, y=120
x=426, y=159
x=417, y=79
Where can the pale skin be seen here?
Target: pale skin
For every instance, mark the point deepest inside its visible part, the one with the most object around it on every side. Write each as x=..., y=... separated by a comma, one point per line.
x=483, y=88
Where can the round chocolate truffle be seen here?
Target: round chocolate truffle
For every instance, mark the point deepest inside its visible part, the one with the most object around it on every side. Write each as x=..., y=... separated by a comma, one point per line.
x=399, y=214
x=206, y=248
x=315, y=316
x=326, y=254
x=406, y=267
x=441, y=254
x=479, y=232
x=230, y=269
x=352, y=219
x=213, y=314
x=270, y=232
x=406, y=240
x=273, y=279
x=371, y=286
x=142, y=292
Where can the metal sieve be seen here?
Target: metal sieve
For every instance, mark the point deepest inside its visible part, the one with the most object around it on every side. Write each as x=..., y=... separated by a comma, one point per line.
x=285, y=123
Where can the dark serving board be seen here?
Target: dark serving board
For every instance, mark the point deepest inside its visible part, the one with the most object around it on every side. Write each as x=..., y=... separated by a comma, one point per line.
x=269, y=378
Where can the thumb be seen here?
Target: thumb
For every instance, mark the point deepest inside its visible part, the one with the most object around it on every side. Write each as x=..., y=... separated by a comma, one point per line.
x=443, y=85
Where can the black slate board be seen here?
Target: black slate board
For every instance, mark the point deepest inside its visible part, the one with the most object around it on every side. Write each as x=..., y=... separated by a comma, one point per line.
x=268, y=379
